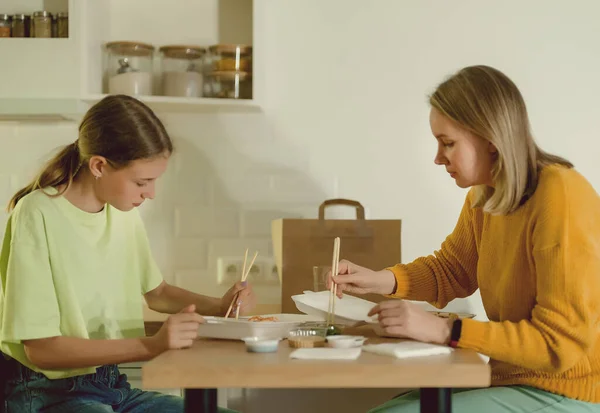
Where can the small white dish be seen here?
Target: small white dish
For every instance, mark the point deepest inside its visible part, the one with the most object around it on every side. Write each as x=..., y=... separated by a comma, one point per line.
x=261, y=345
x=345, y=341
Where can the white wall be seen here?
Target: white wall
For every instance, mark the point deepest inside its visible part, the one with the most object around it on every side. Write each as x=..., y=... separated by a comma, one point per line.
x=347, y=82
x=345, y=115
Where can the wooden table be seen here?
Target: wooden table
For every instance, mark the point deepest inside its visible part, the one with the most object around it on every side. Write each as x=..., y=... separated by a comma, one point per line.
x=211, y=364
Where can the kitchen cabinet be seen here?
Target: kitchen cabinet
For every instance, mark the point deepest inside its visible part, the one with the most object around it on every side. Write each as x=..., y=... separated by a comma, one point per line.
x=62, y=77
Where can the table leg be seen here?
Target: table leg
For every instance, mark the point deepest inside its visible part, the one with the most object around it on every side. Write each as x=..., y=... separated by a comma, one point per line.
x=436, y=400
x=200, y=400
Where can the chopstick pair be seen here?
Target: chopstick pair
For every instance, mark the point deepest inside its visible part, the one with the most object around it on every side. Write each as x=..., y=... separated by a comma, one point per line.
x=245, y=273
x=333, y=289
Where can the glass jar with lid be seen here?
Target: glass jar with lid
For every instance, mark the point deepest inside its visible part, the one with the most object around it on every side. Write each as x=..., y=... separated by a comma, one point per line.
x=5, y=25
x=230, y=58
x=129, y=68
x=62, y=24
x=42, y=24
x=20, y=25
x=229, y=85
x=182, y=68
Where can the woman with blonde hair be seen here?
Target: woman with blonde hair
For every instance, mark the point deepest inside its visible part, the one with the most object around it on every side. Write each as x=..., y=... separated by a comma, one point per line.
x=528, y=237
x=75, y=263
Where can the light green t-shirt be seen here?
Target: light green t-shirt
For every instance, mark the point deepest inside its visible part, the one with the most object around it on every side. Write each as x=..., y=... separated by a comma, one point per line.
x=67, y=272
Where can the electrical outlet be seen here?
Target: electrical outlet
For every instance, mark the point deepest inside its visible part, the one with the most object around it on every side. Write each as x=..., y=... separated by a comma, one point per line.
x=229, y=271
x=271, y=275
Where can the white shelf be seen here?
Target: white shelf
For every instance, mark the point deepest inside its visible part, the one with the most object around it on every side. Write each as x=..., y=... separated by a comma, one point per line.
x=61, y=78
x=182, y=104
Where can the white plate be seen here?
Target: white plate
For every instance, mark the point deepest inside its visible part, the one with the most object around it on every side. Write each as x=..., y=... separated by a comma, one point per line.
x=348, y=310
x=232, y=329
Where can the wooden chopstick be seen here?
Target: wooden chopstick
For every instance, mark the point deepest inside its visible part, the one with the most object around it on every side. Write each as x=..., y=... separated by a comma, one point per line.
x=333, y=289
x=337, y=270
x=245, y=273
x=235, y=295
x=237, y=310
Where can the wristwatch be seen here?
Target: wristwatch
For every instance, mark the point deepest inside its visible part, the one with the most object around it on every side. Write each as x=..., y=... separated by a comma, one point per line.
x=455, y=333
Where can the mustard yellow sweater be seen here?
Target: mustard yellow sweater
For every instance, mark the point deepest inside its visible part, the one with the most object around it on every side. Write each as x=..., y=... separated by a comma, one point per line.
x=538, y=271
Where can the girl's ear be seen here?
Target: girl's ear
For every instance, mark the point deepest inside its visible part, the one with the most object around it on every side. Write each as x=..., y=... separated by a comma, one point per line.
x=492, y=148
x=98, y=165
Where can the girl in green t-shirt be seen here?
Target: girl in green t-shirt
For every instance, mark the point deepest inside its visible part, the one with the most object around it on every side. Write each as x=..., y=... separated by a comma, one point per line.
x=75, y=263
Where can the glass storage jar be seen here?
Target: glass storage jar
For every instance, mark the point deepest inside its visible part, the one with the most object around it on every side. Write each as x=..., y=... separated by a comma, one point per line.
x=182, y=70
x=42, y=24
x=62, y=28
x=54, y=25
x=20, y=25
x=229, y=85
x=129, y=68
x=230, y=58
x=5, y=25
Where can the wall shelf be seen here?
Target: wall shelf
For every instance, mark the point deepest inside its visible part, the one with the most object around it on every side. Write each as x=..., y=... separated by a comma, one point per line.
x=189, y=105
x=61, y=78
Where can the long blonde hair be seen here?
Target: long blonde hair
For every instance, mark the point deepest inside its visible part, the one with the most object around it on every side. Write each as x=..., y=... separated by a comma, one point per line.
x=487, y=103
x=118, y=128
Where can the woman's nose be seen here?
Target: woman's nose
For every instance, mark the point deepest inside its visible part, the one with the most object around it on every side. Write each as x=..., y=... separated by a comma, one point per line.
x=440, y=159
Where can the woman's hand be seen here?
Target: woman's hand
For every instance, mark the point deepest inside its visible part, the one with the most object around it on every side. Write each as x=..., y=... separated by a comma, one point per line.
x=179, y=331
x=355, y=279
x=399, y=318
x=246, y=299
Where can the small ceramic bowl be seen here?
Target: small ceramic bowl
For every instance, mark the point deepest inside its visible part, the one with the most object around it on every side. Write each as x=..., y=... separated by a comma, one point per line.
x=261, y=345
x=345, y=341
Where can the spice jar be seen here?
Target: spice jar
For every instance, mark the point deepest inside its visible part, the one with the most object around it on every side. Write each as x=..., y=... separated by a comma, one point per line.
x=230, y=57
x=54, y=26
x=5, y=25
x=20, y=25
x=129, y=68
x=230, y=85
x=62, y=24
x=42, y=24
x=182, y=70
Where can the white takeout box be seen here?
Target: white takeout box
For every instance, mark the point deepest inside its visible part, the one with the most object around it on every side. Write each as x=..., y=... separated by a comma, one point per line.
x=349, y=310
x=232, y=329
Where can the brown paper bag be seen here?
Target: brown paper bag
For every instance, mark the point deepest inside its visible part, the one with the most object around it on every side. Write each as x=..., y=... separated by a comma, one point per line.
x=300, y=244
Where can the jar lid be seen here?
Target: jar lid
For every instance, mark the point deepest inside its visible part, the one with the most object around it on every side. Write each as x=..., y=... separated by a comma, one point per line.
x=63, y=14
x=231, y=48
x=183, y=51
x=231, y=75
x=130, y=48
x=19, y=16
x=42, y=14
x=4, y=16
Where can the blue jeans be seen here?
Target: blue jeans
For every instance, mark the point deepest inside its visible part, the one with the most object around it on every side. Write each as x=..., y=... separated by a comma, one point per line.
x=104, y=391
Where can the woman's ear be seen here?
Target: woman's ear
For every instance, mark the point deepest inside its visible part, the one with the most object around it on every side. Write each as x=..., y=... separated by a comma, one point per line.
x=492, y=148
x=97, y=166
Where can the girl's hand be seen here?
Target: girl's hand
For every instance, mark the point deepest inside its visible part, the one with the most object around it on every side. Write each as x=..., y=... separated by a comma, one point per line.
x=179, y=331
x=246, y=299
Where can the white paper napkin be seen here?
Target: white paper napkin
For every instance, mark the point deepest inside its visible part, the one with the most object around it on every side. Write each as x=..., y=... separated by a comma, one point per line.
x=326, y=353
x=406, y=349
